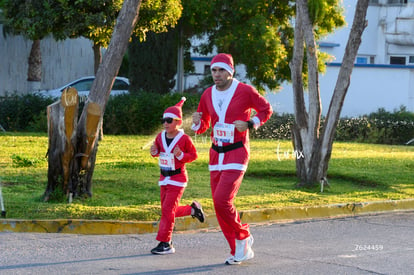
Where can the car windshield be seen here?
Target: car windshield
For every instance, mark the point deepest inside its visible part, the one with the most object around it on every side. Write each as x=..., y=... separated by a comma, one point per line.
x=83, y=85
x=120, y=85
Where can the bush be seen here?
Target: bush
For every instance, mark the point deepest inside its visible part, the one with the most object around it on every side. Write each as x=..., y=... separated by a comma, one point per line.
x=128, y=114
x=277, y=127
x=124, y=114
x=380, y=127
x=24, y=113
x=141, y=113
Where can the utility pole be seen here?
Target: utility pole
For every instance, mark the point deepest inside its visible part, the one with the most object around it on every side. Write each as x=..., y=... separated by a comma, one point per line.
x=180, y=69
x=180, y=62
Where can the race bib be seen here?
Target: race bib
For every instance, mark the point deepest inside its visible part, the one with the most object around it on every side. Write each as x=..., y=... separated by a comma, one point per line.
x=166, y=161
x=224, y=132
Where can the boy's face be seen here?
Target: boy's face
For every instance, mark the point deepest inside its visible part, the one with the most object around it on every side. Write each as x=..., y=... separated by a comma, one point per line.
x=171, y=125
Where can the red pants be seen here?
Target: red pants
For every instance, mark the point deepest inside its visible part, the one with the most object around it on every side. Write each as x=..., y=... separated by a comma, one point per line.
x=224, y=188
x=170, y=198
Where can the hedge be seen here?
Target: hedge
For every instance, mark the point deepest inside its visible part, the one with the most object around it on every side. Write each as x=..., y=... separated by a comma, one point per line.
x=141, y=113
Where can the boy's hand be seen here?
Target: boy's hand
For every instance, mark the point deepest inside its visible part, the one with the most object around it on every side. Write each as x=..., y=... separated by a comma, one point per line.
x=153, y=149
x=177, y=151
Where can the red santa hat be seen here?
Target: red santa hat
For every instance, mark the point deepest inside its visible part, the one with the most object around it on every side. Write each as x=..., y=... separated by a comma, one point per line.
x=223, y=60
x=175, y=111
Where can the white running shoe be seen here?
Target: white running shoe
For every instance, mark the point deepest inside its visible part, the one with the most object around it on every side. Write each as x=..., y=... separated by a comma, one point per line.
x=230, y=261
x=244, y=249
x=249, y=255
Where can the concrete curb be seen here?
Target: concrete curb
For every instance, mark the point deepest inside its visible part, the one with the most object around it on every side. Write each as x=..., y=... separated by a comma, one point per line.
x=95, y=227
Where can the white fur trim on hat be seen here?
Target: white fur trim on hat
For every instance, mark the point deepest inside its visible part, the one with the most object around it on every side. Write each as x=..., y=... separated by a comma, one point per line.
x=223, y=65
x=171, y=115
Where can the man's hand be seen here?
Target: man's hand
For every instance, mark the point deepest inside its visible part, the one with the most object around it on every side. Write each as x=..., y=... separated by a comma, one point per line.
x=241, y=125
x=177, y=151
x=153, y=149
x=197, y=117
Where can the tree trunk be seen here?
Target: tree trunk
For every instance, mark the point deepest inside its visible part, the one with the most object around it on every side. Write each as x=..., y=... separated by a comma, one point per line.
x=73, y=147
x=343, y=82
x=34, y=71
x=97, y=60
x=87, y=145
x=316, y=148
x=97, y=57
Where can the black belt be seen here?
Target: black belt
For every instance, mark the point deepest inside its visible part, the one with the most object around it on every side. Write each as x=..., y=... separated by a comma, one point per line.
x=169, y=173
x=224, y=149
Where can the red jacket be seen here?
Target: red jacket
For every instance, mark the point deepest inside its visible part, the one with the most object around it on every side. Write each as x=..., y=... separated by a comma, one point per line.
x=242, y=99
x=189, y=154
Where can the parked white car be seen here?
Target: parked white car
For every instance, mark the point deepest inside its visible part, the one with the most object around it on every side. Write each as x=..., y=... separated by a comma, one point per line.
x=84, y=84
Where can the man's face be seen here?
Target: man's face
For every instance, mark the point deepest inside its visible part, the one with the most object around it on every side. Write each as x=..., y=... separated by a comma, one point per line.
x=221, y=77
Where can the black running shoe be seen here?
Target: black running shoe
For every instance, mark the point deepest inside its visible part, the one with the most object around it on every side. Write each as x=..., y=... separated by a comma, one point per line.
x=198, y=211
x=163, y=248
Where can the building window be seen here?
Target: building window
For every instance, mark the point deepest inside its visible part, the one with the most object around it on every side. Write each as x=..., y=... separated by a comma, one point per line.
x=361, y=60
x=397, y=2
x=365, y=60
x=411, y=59
x=397, y=60
x=207, y=69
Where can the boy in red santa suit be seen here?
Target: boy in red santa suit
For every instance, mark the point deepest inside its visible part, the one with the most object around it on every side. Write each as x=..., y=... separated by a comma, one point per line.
x=174, y=148
x=227, y=106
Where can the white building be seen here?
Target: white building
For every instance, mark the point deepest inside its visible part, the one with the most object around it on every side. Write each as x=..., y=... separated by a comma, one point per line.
x=383, y=76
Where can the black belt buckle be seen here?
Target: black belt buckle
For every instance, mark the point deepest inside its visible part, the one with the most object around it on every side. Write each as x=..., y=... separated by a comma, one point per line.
x=170, y=173
x=224, y=149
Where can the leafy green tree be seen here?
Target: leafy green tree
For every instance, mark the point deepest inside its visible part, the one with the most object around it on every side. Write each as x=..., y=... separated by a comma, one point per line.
x=258, y=33
x=153, y=62
x=1, y=11
x=95, y=20
x=92, y=19
x=158, y=54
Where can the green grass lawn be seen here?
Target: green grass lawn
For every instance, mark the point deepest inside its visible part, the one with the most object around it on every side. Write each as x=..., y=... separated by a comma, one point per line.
x=125, y=179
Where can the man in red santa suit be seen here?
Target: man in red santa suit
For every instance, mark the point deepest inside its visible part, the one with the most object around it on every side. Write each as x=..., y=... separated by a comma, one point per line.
x=227, y=106
x=174, y=149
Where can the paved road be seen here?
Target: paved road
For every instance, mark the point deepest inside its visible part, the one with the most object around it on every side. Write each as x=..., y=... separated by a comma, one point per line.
x=375, y=244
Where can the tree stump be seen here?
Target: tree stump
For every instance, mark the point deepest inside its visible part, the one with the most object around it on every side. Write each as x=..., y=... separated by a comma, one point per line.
x=62, y=120
x=72, y=146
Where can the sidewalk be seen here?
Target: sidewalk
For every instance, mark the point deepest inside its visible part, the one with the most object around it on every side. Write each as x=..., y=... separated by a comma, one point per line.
x=188, y=223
